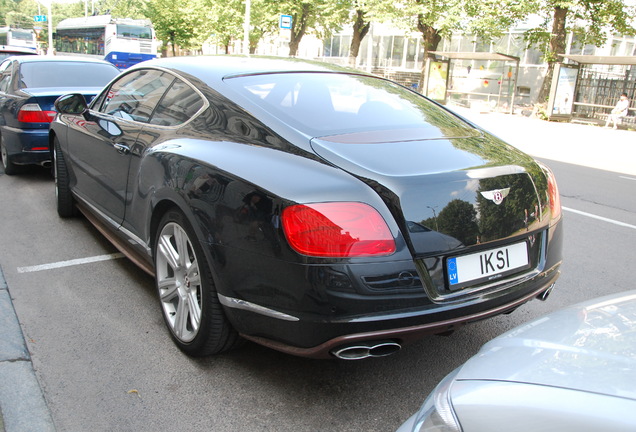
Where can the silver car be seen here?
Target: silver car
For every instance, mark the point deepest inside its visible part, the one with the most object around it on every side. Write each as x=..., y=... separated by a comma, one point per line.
x=572, y=370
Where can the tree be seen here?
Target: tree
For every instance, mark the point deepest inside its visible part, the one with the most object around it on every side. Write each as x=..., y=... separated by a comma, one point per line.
x=224, y=21
x=436, y=19
x=459, y=220
x=177, y=22
x=589, y=20
x=361, y=26
x=319, y=16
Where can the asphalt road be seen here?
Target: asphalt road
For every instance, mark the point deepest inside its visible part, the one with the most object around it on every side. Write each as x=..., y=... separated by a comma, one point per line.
x=105, y=361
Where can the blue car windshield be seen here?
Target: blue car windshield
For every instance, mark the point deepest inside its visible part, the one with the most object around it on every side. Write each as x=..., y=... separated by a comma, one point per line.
x=65, y=74
x=322, y=104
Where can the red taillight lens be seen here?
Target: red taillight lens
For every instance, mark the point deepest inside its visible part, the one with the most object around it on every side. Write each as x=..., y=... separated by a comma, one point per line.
x=32, y=113
x=553, y=194
x=338, y=229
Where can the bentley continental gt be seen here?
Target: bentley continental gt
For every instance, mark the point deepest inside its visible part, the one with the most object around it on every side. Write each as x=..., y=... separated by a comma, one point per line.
x=316, y=210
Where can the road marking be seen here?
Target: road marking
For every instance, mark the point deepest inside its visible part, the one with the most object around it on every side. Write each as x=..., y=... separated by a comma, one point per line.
x=69, y=263
x=593, y=216
x=627, y=178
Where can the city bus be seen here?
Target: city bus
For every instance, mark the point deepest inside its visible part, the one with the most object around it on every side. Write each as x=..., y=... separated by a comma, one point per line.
x=121, y=41
x=16, y=37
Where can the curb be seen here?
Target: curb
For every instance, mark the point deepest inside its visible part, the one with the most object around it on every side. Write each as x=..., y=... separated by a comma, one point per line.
x=22, y=403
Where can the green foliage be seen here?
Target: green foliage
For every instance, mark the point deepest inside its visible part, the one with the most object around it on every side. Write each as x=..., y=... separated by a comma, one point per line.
x=177, y=22
x=589, y=20
x=188, y=23
x=459, y=220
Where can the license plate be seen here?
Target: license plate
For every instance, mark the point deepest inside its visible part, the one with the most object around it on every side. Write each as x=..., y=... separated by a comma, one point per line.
x=486, y=265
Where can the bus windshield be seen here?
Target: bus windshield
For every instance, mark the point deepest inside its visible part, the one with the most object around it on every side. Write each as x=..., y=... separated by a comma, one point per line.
x=136, y=32
x=22, y=35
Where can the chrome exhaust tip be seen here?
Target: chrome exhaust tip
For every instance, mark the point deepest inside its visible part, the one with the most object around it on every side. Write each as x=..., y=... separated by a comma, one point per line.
x=545, y=294
x=366, y=349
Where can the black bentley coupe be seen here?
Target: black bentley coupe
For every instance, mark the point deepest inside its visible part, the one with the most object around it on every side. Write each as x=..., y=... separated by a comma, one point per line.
x=316, y=210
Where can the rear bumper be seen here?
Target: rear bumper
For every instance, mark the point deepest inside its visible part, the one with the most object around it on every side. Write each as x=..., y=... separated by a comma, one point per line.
x=403, y=330
x=403, y=335
x=27, y=146
x=325, y=321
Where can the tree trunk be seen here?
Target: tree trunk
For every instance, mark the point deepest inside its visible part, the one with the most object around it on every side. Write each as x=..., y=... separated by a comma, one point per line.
x=557, y=46
x=430, y=39
x=172, y=42
x=299, y=27
x=360, y=30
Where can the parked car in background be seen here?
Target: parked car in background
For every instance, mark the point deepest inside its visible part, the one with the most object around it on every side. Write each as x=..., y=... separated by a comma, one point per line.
x=315, y=210
x=29, y=85
x=8, y=50
x=571, y=371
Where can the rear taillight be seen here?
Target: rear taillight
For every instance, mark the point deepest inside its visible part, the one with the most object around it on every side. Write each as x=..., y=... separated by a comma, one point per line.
x=32, y=113
x=554, y=198
x=338, y=229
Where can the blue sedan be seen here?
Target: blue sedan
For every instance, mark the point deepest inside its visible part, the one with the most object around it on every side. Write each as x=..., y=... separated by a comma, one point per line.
x=28, y=87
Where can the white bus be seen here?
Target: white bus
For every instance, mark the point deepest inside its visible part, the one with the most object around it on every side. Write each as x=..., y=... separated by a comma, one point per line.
x=17, y=37
x=121, y=41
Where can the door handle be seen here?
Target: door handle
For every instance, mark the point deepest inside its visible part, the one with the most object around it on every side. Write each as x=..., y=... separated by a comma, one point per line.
x=122, y=148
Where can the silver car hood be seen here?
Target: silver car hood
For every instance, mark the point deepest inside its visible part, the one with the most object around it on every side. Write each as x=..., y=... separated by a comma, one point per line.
x=589, y=347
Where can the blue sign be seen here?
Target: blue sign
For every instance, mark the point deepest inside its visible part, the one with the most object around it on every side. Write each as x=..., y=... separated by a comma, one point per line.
x=286, y=22
x=39, y=18
x=453, y=278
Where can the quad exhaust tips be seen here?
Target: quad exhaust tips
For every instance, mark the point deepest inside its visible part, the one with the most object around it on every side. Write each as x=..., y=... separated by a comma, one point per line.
x=364, y=350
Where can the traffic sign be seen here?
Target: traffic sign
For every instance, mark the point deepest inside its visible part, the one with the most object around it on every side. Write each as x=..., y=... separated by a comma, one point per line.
x=286, y=22
x=39, y=18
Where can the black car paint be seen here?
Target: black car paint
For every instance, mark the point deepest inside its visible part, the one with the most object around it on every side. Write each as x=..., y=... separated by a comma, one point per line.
x=210, y=167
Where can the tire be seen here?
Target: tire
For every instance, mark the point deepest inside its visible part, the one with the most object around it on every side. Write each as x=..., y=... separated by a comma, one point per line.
x=64, y=196
x=187, y=294
x=9, y=167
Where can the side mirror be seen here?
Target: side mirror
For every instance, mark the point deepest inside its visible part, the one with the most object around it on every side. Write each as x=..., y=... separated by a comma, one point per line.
x=74, y=103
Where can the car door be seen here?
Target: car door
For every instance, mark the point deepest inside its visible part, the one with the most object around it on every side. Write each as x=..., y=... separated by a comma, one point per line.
x=179, y=105
x=100, y=148
x=6, y=69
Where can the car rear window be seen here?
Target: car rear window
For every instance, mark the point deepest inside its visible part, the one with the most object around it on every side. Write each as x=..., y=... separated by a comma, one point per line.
x=65, y=74
x=322, y=104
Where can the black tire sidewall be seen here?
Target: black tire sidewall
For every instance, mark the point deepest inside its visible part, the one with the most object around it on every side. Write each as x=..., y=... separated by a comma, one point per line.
x=9, y=167
x=64, y=196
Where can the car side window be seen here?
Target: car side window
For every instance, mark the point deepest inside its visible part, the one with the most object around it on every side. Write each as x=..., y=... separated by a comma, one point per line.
x=5, y=76
x=135, y=95
x=180, y=103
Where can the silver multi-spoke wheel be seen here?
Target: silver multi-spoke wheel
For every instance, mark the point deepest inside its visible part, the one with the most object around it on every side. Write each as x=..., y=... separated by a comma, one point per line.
x=187, y=292
x=179, y=282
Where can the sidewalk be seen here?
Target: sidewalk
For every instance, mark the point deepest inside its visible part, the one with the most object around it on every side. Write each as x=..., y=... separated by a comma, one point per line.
x=586, y=145
x=22, y=404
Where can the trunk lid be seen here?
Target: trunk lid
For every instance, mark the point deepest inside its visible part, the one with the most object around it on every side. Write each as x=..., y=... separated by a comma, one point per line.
x=450, y=190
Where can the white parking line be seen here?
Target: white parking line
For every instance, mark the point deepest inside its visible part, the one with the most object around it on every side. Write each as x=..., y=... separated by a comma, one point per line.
x=627, y=178
x=593, y=216
x=69, y=263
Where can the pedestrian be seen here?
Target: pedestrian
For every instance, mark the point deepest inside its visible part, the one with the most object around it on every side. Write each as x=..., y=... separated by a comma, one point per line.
x=620, y=110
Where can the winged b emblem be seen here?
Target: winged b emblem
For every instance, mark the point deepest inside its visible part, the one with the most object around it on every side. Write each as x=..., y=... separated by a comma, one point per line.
x=497, y=196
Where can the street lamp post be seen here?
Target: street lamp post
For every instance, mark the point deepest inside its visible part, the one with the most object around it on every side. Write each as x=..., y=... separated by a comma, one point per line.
x=49, y=51
x=434, y=217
